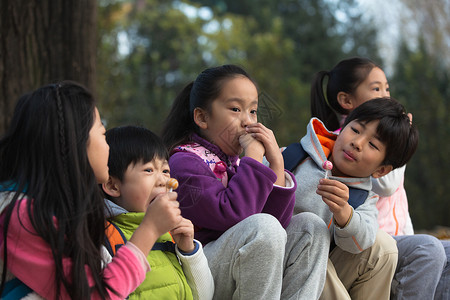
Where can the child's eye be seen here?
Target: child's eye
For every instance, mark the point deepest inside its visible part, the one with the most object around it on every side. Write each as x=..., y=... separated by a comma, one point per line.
x=235, y=109
x=166, y=171
x=253, y=111
x=148, y=170
x=354, y=130
x=376, y=89
x=373, y=145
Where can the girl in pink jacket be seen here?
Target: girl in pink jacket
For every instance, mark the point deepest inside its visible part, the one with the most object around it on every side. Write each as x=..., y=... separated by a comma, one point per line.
x=52, y=220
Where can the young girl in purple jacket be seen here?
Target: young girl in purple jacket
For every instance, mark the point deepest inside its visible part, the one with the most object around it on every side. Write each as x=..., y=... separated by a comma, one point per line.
x=241, y=209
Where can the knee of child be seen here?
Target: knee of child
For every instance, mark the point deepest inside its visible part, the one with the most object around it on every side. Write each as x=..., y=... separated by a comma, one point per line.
x=384, y=251
x=385, y=244
x=432, y=247
x=266, y=229
x=307, y=222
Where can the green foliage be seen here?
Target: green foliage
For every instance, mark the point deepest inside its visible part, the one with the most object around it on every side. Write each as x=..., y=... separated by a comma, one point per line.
x=281, y=43
x=284, y=43
x=421, y=83
x=162, y=55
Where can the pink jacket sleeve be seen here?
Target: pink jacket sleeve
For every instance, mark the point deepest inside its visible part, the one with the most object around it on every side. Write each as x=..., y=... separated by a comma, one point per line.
x=30, y=260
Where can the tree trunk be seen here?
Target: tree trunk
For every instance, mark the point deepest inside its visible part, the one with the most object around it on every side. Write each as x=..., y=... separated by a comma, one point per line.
x=42, y=42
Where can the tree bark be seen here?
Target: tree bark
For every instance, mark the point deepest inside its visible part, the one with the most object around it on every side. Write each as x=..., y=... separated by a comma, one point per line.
x=43, y=42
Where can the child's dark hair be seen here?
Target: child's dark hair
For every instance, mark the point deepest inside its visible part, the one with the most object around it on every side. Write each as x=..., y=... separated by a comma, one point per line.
x=346, y=76
x=130, y=145
x=44, y=155
x=395, y=129
x=179, y=124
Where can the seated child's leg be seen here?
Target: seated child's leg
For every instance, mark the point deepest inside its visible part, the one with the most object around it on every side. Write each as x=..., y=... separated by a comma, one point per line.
x=307, y=248
x=368, y=275
x=247, y=260
x=443, y=288
x=333, y=289
x=421, y=260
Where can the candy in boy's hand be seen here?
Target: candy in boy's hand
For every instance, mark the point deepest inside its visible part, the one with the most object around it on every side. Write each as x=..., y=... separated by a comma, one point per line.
x=172, y=184
x=327, y=165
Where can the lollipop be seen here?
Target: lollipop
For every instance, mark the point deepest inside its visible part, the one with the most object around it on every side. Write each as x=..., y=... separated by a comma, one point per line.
x=327, y=165
x=172, y=184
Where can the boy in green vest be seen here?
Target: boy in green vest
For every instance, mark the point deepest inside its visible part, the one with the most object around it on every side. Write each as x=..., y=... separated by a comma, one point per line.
x=139, y=171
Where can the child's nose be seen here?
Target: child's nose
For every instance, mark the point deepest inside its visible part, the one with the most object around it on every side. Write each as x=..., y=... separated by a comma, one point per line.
x=356, y=143
x=246, y=119
x=161, y=180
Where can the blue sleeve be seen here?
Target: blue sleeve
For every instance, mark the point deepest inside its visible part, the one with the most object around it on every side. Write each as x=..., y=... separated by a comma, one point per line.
x=192, y=252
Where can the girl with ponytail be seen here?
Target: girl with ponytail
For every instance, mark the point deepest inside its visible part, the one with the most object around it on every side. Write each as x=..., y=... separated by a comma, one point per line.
x=241, y=209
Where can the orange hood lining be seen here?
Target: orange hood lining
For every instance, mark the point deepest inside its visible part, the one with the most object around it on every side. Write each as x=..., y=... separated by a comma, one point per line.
x=326, y=138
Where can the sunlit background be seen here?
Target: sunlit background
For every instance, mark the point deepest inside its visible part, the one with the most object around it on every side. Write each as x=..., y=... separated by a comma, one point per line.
x=149, y=49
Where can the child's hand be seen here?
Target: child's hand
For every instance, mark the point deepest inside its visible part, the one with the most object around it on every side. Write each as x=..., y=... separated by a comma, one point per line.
x=272, y=150
x=162, y=215
x=252, y=147
x=335, y=194
x=267, y=138
x=183, y=236
x=164, y=212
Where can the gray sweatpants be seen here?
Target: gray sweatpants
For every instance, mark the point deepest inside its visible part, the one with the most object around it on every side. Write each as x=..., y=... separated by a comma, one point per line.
x=443, y=288
x=258, y=259
x=421, y=261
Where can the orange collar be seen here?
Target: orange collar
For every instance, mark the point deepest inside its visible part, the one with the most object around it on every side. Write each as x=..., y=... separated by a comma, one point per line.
x=326, y=138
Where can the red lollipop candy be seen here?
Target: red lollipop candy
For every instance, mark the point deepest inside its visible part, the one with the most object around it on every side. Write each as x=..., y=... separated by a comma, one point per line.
x=327, y=165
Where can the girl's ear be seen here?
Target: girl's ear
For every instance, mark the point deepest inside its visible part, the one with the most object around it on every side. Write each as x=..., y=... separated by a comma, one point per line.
x=381, y=171
x=112, y=187
x=200, y=118
x=345, y=100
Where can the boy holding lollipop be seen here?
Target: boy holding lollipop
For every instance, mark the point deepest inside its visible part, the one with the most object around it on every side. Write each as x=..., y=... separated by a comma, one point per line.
x=376, y=138
x=139, y=171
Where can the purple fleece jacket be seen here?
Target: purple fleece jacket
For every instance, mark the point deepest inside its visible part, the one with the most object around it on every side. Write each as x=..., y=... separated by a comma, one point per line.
x=213, y=208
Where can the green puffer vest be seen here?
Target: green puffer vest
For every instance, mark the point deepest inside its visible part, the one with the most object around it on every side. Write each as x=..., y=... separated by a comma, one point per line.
x=166, y=279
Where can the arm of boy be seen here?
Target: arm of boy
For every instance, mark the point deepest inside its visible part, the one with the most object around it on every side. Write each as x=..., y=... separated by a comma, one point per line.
x=183, y=235
x=271, y=149
x=335, y=194
x=193, y=260
x=197, y=272
x=163, y=214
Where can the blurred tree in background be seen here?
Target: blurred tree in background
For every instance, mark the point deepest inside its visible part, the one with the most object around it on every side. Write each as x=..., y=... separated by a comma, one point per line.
x=280, y=43
x=41, y=42
x=162, y=54
x=422, y=82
